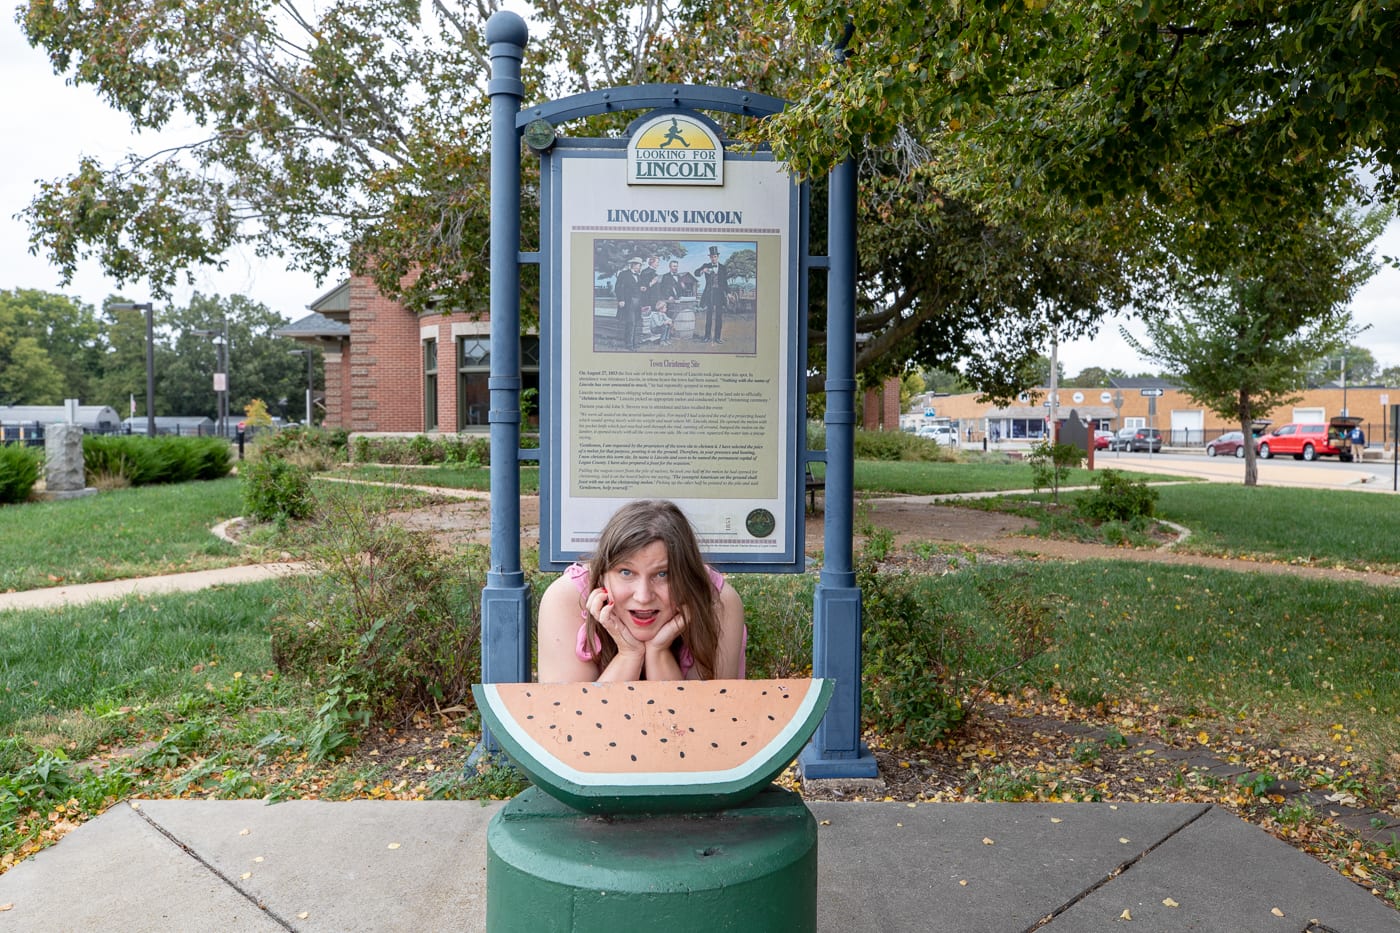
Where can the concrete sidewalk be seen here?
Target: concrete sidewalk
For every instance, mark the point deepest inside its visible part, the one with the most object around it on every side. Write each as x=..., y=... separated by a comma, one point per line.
x=79, y=593
x=180, y=865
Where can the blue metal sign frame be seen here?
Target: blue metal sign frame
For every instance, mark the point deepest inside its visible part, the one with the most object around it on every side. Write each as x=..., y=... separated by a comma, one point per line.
x=836, y=750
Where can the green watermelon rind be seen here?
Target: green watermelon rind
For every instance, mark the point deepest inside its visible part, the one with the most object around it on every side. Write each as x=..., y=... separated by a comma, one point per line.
x=653, y=792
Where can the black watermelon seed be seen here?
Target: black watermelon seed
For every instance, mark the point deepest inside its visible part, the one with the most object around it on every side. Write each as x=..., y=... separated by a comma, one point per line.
x=585, y=690
x=671, y=711
x=531, y=716
x=682, y=754
x=712, y=709
x=586, y=754
x=692, y=728
x=568, y=738
x=764, y=693
x=723, y=689
x=680, y=688
x=598, y=724
x=663, y=741
x=644, y=732
x=605, y=701
x=626, y=715
x=634, y=757
x=733, y=718
x=714, y=745
x=612, y=745
x=579, y=712
x=630, y=687
x=651, y=702
x=742, y=744
x=770, y=716
x=553, y=726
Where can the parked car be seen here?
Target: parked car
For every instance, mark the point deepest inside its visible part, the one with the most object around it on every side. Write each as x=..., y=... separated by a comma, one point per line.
x=942, y=433
x=1230, y=444
x=1102, y=439
x=1137, y=439
x=1303, y=440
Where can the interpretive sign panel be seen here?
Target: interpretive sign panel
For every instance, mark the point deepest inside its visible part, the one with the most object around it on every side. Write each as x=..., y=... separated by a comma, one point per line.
x=671, y=340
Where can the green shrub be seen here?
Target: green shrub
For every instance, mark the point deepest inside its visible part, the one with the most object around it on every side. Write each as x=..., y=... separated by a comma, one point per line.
x=275, y=490
x=142, y=461
x=778, y=611
x=1051, y=463
x=389, y=626
x=425, y=450
x=316, y=449
x=925, y=662
x=19, y=471
x=1118, y=499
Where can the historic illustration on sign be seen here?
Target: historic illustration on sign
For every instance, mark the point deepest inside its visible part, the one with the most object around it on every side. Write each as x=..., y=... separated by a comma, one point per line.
x=686, y=296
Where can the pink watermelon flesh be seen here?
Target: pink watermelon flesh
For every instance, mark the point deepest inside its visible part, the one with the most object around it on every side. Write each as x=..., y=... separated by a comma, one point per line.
x=653, y=746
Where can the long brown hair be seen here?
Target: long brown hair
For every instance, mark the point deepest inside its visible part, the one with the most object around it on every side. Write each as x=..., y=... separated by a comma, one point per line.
x=693, y=593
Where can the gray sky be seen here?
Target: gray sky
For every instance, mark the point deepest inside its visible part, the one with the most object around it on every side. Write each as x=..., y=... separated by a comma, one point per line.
x=48, y=126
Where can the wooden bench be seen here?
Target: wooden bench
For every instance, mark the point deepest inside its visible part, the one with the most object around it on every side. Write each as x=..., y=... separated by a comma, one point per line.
x=814, y=486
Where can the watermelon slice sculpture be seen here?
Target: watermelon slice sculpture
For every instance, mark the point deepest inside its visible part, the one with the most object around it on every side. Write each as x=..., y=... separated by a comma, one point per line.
x=653, y=746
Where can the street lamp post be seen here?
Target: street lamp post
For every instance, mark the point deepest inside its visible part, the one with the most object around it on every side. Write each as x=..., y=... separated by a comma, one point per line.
x=310, y=378
x=147, y=307
x=221, y=364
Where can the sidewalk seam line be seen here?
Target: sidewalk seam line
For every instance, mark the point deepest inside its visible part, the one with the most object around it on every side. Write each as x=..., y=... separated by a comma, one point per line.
x=1117, y=872
x=188, y=850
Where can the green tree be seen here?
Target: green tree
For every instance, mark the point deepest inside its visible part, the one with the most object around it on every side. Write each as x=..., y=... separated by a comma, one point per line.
x=1355, y=364
x=65, y=333
x=1104, y=99
x=1241, y=342
x=1095, y=377
x=259, y=365
x=27, y=376
x=356, y=139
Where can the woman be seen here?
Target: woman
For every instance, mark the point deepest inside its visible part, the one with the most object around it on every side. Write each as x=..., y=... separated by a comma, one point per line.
x=645, y=607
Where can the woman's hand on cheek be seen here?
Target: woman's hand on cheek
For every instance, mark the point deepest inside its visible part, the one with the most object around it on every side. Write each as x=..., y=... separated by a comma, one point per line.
x=602, y=608
x=668, y=633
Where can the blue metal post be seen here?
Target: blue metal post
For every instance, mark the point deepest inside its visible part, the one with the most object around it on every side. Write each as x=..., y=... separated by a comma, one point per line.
x=505, y=600
x=836, y=750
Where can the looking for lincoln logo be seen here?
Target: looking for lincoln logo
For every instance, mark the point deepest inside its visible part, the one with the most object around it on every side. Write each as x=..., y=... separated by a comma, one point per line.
x=675, y=149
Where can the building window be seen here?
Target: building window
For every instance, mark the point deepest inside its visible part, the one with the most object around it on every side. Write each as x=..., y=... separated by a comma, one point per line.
x=430, y=374
x=473, y=371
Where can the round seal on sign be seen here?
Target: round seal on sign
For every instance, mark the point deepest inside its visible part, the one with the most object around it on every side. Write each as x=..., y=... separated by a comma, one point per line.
x=760, y=523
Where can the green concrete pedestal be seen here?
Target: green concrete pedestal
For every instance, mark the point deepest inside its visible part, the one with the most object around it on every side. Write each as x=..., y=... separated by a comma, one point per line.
x=552, y=868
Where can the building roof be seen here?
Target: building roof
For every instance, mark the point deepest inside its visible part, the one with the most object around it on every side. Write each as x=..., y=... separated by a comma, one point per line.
x=1143, y=382
x=335, y=303
x=313, y=325
x=52, y=414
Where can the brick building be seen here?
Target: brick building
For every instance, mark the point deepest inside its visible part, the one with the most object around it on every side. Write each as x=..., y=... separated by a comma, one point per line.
x=391, y=371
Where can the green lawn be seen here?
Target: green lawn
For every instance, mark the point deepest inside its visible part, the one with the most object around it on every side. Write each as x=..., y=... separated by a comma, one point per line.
x=117, y=534
x=189, y=683
x=1306, y=525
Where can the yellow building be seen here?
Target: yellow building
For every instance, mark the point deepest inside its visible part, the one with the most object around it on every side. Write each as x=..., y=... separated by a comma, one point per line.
x=1185, y=422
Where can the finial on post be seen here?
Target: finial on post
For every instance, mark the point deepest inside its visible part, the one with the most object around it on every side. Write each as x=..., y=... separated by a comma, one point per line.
x=508, y=27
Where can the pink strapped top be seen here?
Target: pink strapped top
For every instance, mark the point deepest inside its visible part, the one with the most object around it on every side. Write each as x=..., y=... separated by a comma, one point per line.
x=578, y=573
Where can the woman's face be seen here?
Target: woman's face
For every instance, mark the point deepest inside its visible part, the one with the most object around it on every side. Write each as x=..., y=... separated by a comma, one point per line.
x=639, y=586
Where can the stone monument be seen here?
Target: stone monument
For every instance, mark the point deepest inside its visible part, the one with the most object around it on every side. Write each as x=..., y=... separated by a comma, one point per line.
x=64, y=473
